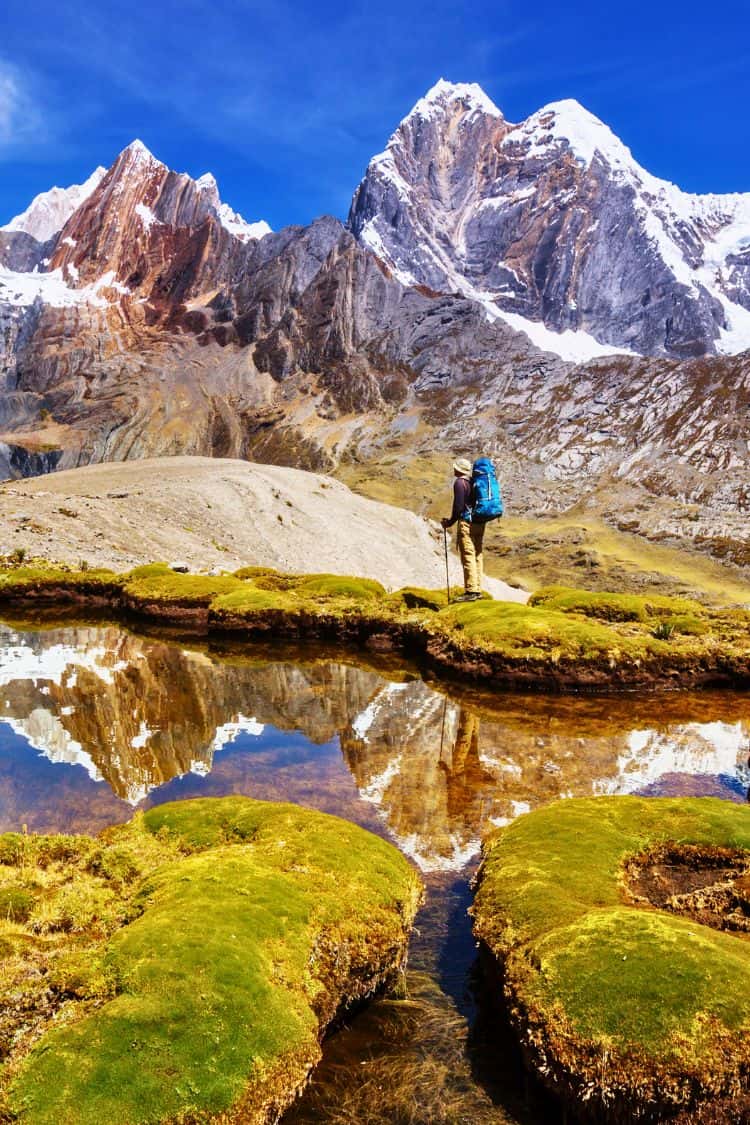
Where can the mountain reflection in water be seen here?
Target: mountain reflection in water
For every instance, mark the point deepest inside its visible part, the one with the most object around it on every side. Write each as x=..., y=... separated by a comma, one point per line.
x=138, y=721
x=96, y=721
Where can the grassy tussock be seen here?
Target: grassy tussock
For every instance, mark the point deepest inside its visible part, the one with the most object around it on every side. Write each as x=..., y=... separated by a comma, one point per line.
x=336, y=586
x=39, y=574
x=159, y=583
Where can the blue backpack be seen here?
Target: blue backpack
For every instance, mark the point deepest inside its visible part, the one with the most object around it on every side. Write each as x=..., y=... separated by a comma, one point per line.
x=486, y=501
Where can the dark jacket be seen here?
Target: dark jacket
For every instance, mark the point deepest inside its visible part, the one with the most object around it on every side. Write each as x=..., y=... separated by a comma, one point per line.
x=461, y=498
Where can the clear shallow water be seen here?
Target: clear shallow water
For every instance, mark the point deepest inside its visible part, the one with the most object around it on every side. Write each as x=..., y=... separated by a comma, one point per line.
x=96, y=722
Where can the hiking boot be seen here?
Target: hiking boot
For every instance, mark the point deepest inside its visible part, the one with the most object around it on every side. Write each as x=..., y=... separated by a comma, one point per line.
x=473, y=597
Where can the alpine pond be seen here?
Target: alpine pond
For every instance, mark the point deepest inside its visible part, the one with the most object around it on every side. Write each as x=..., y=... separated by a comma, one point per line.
x=97, y=721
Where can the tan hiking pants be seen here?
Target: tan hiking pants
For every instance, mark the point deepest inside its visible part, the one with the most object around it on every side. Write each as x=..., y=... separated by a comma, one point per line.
x=469, y=538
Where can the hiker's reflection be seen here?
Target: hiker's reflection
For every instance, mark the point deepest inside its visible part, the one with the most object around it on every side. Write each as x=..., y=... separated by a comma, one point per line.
x=465, y=777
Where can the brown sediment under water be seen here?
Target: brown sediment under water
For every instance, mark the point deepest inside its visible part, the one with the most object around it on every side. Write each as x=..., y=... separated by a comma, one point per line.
x=97, y=721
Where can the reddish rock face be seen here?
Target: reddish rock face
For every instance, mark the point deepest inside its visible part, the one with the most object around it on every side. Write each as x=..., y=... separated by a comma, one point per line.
x=144, y=229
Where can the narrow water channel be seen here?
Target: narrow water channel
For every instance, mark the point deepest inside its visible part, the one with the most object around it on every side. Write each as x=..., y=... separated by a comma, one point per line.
x=96, y=722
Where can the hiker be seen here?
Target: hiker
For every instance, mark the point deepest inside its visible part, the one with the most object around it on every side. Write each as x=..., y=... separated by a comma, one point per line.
x=469, y=535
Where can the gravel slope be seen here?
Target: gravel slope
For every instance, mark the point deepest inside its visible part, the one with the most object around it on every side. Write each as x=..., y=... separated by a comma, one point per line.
x=208, y=513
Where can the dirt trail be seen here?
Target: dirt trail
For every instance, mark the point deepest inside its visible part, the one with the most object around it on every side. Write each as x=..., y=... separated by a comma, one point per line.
x=206, y=513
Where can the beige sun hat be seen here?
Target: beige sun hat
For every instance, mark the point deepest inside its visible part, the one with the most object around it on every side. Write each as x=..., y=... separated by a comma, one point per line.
x=462, y=466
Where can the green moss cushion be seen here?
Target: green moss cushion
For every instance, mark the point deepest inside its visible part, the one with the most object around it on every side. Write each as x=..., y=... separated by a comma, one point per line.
x=627, y=1010
x=157, y=582
x=213, y=942
x=340, y=586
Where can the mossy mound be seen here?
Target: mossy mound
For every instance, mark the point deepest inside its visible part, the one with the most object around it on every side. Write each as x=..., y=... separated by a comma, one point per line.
x=628, y=1012
x=565, y=640
x=340, y=586
x=160, y=583
x=41, y=576
x=265, y=578
x=535, y=632
x=185, y=966
x=416, y=597
x=613, y=607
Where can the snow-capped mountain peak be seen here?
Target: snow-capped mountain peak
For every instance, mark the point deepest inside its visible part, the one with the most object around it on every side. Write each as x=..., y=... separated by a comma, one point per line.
x=239, y=227
x=570, y=124
x=553, y=223
x=137, y=211
x=50, y=210
x=207, y=182
x=471, y=96
x=138, y=155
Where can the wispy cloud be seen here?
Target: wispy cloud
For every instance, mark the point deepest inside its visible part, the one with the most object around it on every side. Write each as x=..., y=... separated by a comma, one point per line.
x=27, y=124
x=306, y=78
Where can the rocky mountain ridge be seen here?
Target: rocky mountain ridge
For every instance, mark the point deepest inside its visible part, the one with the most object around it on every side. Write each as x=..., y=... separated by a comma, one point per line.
x=156, y=322
x=552, y=221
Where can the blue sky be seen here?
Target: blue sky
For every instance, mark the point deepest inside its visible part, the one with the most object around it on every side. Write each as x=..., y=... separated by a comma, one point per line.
x=285, y=102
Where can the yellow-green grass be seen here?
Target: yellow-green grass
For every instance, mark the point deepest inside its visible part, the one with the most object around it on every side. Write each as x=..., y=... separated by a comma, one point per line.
x=561, y=624
x=575, y=547
x=248, y=924
x=339, y=586
x=582, y=550
x=538, y=633
x=643, y=1007
x=422, y=484
x=316, y=595
x=614, y=607
x=38, y=573
x=158, y=582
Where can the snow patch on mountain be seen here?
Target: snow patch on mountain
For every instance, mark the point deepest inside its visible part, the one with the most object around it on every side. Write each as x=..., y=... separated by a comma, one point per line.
x=146, y=215
x=229, y=219
x=50, y=210
x=574, y=346
x=22, y=289
x=239, y=227
x=735, y=338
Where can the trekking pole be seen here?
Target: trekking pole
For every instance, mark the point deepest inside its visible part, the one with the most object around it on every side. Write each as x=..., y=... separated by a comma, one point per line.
x=447, y=576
